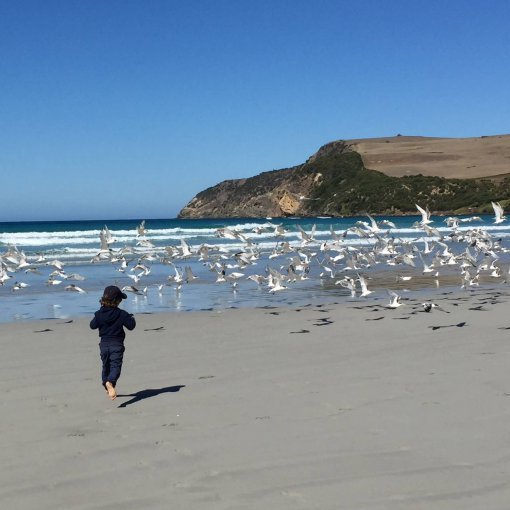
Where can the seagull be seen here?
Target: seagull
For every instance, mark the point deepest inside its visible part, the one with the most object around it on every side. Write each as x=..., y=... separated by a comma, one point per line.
x=229, y=233
x=426, y=268
x=33, y=270
x=57, y=264
x=74, y=276
x=185, y=249
x=363, y=284
x=130, y=288
x=276, y=284
x=394, y=300
x=257, y=278
x=348, y=283
x=75, y=288
x=428, y=306
x=373, y=227
x=145, y=243
x=178, y=277
x=468, y=280
x=140, y=230
x=4, y=276
x=275, y=281
x=498, y=213
x=388, y=223
x=105, y=238
x=279, y=231
x=189, y=274
x=135, y=277
x=305, y=237
x=432, y=232
x=144, y=269
x=336, y=237
x=425, y=215
x=19, y=286
x=123, y=264
x=452, y=222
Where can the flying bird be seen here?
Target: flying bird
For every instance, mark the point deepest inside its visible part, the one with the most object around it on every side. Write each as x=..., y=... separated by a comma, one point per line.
x=428, y=307
x=75, y=288
x=499, y=216
x=425, y=215
x=394, y=300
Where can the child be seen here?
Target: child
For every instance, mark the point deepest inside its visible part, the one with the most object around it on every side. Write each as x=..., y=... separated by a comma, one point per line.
x=111, y=320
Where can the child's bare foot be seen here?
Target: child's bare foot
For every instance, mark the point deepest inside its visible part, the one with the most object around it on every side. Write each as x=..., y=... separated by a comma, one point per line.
x=111, y=390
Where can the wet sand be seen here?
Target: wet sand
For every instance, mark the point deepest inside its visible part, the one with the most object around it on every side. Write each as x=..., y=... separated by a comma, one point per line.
x=351, y=406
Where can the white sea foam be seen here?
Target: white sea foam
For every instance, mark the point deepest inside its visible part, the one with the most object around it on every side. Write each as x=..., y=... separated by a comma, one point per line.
x=81, y=244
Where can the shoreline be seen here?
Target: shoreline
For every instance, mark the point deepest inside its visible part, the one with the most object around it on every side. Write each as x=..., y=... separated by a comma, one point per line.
x=421, y=286
x=163, y=267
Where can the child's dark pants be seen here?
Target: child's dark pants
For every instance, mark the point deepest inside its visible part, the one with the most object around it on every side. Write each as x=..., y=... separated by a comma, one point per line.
x=111, y=356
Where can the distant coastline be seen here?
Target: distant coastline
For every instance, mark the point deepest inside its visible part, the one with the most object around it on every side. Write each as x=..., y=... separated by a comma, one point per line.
x=385, y=176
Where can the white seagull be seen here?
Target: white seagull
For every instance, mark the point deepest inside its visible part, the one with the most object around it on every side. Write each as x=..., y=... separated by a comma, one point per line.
x=75, y=288
x=394, y=300
x=428, y=307
x=348, y=283
x=498, y=213
x=363, y=284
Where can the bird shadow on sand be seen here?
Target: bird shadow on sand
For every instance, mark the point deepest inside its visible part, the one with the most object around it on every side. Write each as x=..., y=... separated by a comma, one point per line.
x=148, y=393
x=459, y=325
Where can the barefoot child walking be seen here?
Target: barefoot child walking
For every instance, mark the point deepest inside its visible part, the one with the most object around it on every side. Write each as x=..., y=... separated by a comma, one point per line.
x=111, y=321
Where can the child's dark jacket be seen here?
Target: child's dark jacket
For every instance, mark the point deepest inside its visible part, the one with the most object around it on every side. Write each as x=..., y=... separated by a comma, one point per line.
x=111, y=323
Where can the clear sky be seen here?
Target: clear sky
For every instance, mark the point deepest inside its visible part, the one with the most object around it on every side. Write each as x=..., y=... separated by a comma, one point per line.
x=127, y=109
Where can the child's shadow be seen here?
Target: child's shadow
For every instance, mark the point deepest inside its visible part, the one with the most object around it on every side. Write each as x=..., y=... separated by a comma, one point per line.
x=143, y=394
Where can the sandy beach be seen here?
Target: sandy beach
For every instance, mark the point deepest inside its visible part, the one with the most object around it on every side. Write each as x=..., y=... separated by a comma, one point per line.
x=352, y=406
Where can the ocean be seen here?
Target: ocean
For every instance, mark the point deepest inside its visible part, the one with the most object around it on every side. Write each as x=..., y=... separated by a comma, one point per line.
x=29, y=292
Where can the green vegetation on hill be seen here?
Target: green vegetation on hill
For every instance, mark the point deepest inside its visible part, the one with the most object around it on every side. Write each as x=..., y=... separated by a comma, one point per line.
x=347, y=188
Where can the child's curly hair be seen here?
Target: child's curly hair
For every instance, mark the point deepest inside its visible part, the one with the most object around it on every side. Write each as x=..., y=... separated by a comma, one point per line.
x=112, y=296
x=109, y=303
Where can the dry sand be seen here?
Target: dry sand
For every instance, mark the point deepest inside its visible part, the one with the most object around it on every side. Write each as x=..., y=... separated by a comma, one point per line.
x=350, y=406
x=461, y=158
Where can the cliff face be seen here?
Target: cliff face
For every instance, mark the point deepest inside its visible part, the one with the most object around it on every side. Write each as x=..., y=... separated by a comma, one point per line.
x=285, y=192
x=335, y=182
x=257, y=196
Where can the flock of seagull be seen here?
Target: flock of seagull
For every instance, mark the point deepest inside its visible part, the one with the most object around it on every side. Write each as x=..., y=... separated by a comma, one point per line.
x=476, y=252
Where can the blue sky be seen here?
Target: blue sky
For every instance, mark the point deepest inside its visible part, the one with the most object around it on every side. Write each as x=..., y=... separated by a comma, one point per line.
x=127, y=109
